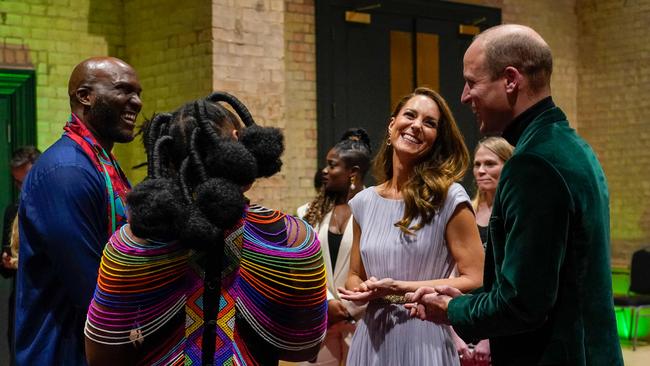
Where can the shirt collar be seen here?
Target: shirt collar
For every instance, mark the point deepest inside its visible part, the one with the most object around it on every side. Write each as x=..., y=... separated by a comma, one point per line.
x=513, y=132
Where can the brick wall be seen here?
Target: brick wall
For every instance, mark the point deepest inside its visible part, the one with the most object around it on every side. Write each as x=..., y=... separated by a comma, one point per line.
x=248, y=61
x=264, y=53
x=181, y=50
x=614, y=109
x=169, y=43
x=600, y=79
x=300, y=46
x=52, y=37
x=559, y=29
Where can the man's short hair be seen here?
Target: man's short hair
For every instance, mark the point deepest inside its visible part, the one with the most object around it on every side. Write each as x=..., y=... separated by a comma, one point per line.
x=24, y=155
x=522, y=51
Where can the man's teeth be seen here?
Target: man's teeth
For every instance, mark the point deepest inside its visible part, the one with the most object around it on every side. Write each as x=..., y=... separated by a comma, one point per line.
x=129, y=116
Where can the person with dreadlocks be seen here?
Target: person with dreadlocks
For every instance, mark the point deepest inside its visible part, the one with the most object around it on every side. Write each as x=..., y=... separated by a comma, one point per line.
x=346, y=166
x=199, y=275
x=411, y=230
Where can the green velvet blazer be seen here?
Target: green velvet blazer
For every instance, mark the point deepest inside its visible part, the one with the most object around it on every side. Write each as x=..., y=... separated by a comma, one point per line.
x=547, y=293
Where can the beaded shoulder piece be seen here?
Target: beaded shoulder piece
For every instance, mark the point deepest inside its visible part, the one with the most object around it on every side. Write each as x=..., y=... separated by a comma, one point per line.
x=272, y=285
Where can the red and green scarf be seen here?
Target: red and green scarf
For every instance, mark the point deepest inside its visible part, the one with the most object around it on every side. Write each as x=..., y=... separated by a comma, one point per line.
x=117, y=185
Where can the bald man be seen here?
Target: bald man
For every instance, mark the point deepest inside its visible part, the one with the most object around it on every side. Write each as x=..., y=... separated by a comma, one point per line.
x=71, y=201
x=547, y=295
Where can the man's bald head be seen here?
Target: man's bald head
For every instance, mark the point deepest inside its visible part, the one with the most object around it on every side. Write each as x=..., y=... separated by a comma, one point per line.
x=88, y=71
x=105, y=95
x=518, y=46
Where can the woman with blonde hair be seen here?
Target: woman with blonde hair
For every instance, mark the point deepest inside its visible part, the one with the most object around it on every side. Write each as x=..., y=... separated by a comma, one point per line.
x=410, y=231
x=490, y=155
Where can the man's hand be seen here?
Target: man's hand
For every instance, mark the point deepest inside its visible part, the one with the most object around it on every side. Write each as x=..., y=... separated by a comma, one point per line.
x=448, y=290
x=431, y=303
x=336, y=312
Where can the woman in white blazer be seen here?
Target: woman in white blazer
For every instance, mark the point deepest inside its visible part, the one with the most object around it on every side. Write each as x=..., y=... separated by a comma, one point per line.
x=329, y=213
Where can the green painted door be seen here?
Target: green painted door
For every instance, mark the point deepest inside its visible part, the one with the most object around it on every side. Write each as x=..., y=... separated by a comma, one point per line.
x=17, y=128
x=17, y=122
x=6, y=187
x=6, y=192
x=371, y=53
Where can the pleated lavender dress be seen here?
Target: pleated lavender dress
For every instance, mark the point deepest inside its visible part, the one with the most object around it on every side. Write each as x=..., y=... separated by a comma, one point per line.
x=387, y=335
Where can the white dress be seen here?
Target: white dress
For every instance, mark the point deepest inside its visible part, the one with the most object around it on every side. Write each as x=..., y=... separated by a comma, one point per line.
x=387, y=335
x=335, y=347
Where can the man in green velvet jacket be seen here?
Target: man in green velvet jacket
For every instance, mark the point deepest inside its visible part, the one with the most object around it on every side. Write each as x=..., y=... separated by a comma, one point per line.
x=547, y=294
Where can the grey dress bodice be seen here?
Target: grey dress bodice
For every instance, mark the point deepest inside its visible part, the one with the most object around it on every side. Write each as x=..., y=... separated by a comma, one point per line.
x=387, y=335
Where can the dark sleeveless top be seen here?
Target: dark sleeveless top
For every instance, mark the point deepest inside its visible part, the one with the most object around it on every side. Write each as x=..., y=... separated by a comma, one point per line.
x=483, y=232
x=334, y=243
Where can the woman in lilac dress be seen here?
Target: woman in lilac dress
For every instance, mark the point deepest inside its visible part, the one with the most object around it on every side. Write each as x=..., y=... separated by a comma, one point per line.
x=412, y=230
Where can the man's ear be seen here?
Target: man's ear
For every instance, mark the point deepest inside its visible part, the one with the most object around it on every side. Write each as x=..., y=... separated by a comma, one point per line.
x=512, y=78
x=83, y=96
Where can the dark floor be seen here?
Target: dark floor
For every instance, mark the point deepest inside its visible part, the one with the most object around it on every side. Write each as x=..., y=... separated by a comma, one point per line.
x=5, y=287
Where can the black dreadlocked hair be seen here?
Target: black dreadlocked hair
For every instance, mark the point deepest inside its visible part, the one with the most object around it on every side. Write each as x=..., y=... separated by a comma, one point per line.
x=196, y=170
x=354, y=150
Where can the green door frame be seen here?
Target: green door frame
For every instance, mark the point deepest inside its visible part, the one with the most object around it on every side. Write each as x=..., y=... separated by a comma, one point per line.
x=18, y=88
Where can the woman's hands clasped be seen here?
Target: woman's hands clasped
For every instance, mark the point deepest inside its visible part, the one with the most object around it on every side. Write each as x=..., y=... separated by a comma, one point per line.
x=370, y=289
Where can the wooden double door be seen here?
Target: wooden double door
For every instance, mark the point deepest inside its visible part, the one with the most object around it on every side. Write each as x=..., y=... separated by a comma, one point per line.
x=370, y=54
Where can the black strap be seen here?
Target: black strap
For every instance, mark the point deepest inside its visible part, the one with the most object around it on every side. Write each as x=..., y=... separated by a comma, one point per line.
x=211, y=297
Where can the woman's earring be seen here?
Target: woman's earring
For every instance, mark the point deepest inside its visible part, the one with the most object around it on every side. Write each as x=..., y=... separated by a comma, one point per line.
x=352, y=186
x=388, y=139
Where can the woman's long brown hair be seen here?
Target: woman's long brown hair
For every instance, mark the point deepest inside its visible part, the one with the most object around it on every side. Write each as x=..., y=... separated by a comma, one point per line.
x=426, y=189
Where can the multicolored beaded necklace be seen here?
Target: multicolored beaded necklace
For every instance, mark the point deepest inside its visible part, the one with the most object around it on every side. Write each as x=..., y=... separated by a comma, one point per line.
x=273, y=283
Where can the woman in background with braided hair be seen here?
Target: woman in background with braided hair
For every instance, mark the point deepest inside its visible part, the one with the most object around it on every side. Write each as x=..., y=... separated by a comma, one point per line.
x=199, y=275
x=346, y=166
